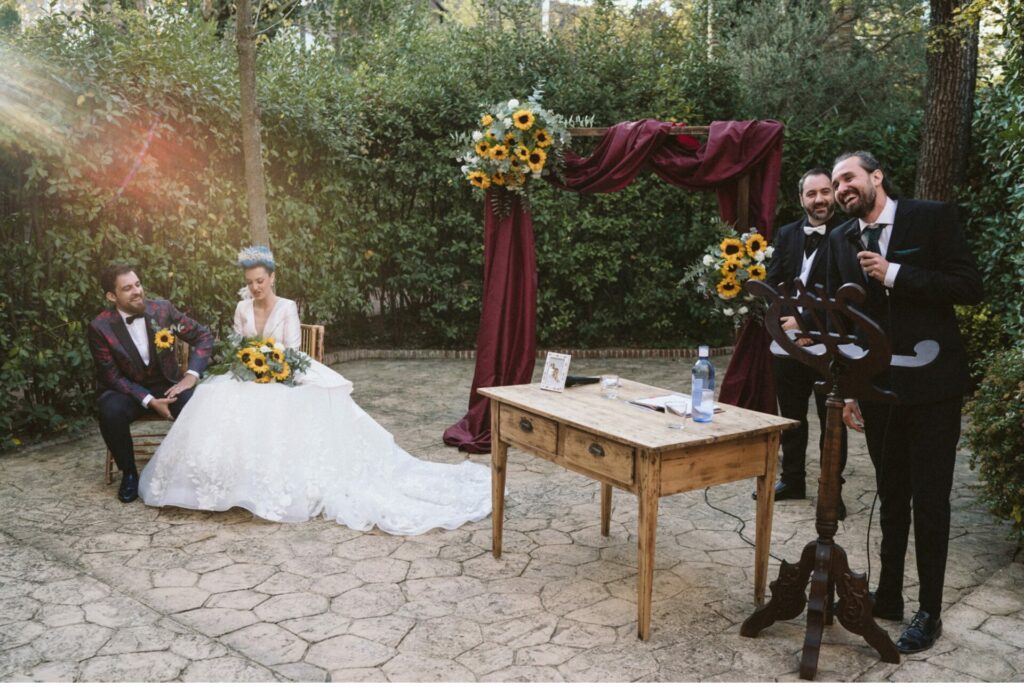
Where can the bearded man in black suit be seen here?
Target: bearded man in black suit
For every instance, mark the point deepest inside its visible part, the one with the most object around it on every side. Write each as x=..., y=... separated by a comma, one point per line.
x=800, y=253
x=911, y=258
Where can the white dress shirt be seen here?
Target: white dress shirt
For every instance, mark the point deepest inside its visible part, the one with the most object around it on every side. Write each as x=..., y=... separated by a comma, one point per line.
x=140, y=337
x=886, y=219
x=137, y=330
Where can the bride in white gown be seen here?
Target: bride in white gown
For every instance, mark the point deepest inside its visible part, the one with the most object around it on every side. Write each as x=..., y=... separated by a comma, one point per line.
x=288, y=454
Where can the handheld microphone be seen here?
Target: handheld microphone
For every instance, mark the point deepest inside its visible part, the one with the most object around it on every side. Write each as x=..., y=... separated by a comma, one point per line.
x=853, y=235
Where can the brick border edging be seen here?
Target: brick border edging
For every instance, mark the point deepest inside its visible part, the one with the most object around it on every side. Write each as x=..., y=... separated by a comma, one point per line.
x=348, y=355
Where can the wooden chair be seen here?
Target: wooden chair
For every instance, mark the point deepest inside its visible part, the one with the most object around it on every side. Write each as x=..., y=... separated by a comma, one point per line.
x=313, y=341
x=147, y=442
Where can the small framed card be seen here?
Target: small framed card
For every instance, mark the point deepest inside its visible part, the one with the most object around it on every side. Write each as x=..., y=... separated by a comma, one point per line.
x=556, y=369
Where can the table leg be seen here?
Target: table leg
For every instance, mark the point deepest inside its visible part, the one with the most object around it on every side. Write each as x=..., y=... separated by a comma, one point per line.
x=499, y=459
x=606, y=508
x=649, y=468
x=763, y=518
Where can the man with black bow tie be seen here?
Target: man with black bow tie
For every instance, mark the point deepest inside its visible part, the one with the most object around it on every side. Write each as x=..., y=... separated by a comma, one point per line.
x=800, y=252
x=911, y=258
x=135, y=370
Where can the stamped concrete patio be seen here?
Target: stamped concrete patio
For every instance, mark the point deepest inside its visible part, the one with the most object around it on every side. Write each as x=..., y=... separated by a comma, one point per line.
x=93, y=590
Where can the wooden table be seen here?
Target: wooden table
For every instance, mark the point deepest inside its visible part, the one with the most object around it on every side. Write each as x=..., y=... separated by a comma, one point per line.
x=632, y=448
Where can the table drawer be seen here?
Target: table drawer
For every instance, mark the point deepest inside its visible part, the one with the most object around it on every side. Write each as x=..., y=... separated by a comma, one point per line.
x=527, y=428
x=599, y=455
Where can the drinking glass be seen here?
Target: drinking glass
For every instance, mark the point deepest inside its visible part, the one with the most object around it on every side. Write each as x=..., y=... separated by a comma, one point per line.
x=677, y=409
x=610, y=386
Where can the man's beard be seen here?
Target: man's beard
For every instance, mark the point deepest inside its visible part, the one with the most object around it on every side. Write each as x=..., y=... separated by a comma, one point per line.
x=819, y=213
x=859, y=204
x=135, y=307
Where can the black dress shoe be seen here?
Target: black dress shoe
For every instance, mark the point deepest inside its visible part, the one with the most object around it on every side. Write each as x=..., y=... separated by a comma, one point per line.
x=921, y=634
x=129, y=490
x=785, y=492
x=886, y=610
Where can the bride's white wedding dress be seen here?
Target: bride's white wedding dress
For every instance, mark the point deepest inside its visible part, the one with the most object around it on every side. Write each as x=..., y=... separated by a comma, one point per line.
x=291, y=453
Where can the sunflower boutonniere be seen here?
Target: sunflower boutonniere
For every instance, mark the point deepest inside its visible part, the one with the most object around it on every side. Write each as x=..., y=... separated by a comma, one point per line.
x=164, y=337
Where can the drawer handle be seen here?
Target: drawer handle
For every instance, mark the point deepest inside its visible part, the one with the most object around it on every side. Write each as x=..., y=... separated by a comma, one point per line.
x=597, y=450
x=525, y=425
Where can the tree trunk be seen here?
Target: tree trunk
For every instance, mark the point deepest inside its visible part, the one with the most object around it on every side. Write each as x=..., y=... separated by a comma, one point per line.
x=844, y=16
x=712, y=37
x=252, y=147
x=952, y=73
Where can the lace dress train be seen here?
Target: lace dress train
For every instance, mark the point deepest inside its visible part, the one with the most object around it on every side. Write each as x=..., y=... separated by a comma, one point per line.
x=288, y=454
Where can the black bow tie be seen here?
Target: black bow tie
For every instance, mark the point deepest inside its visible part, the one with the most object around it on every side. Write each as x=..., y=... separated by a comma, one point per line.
x=132, y=318
x=812, y=241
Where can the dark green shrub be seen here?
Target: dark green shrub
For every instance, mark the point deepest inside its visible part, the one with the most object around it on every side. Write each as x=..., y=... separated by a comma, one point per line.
x=996, y=436
x=995, y=195
x=983, y=333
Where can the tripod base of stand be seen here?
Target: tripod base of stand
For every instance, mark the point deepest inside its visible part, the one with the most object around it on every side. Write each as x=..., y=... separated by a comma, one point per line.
x=824, y=565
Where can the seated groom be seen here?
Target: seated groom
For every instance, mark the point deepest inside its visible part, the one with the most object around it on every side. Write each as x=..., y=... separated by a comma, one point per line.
x=135, y=370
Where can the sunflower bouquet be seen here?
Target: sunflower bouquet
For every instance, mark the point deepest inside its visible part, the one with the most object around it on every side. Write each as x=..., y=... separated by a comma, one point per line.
x=260, y=360
x=726, y=266
x=513, y=143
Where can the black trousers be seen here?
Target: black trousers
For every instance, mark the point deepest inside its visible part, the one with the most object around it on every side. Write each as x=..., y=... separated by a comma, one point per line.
x=117, y=413
x=913, y=449
x=794, y=382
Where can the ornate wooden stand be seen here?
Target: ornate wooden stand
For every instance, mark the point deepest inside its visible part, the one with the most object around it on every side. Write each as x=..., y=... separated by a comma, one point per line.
x=823, y=563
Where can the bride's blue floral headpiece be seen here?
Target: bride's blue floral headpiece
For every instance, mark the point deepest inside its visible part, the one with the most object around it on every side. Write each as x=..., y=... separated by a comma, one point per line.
x=256, y=256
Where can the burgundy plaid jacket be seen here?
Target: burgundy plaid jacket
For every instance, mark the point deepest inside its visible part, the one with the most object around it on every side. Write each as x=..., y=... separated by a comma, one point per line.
x=118, y=363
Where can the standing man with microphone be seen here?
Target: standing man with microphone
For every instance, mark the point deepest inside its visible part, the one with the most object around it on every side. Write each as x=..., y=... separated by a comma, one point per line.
x=911, y=258
x=800, y=253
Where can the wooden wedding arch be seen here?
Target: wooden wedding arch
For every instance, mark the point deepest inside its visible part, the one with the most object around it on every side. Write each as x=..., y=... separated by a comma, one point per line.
x=739, y=161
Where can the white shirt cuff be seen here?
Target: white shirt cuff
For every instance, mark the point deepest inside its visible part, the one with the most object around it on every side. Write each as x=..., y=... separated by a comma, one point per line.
x=146, y=400
x=890, y=275
x=193, y=373
x=849, y=400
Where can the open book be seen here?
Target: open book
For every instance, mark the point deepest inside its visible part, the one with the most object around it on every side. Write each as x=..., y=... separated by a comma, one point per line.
x=658, y=402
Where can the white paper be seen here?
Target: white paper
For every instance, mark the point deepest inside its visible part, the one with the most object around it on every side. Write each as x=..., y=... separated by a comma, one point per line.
x=658, y=402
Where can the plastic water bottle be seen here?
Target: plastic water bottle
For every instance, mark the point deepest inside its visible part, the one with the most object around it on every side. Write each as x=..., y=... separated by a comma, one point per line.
x=703, y=387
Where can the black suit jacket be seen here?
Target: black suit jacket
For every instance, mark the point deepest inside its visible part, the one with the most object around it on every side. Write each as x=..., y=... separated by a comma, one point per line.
x=788, y=257
x=936, y=272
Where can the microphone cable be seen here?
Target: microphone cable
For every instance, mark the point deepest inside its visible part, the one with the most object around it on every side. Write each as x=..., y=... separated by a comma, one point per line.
x=880, y=469
x=741, y=521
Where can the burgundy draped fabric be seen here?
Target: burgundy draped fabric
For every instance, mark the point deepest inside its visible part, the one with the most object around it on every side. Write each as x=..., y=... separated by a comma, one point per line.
x=733, y=150
x=749, y=381
x=506, y=344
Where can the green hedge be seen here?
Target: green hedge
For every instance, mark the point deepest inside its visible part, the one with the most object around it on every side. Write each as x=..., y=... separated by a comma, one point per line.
x=129, y=150
x=995, y=201
x=996, y=436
